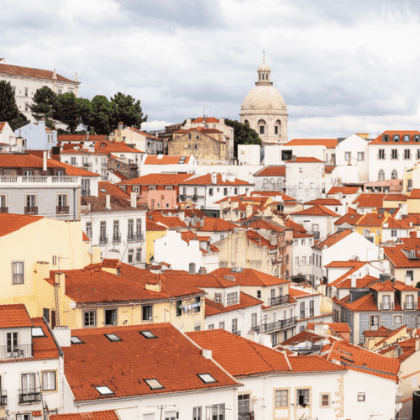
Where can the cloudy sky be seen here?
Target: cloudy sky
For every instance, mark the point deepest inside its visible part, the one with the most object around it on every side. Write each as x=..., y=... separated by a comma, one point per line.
x=341, y=66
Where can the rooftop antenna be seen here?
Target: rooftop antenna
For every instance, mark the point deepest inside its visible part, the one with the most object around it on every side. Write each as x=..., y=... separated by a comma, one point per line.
x=264, y=57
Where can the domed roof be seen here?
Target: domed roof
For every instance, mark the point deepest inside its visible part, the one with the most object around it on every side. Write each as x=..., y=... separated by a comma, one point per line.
x=263, y=98
x=264, y=67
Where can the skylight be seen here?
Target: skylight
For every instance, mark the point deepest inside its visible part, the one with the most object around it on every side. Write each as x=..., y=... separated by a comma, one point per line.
x=153, y=383
x=104, y=390
x=206, y=378
x=112, y=337
x=236, y=270
x=37, y=332
x=147, y=334
x=102, y=190
x=76, y=340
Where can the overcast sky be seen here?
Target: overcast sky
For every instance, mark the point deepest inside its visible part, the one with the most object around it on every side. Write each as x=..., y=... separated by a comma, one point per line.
x=341, y=66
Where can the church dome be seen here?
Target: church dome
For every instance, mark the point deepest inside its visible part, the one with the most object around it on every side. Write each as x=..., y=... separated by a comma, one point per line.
x=263, y=97
x=264, y=67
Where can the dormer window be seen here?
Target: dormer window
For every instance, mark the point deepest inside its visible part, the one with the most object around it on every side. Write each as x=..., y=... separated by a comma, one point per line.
x=412, y=255
x=406, y=138
x=396, y=138
x=153, y=383
x=385, y=138
x=409, y=302
x=232, y=298
x=103, y=144
x=416, y=138
x=206, y=378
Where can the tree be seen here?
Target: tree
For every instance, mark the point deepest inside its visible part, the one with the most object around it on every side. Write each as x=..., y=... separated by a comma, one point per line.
x=127, y=110
x=45, y=104
x=101, y=114
x=243, y=133
x=85, y=113
x=9, y=112
x=67, y=111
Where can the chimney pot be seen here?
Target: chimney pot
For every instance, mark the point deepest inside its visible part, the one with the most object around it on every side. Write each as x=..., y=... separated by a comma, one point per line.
x=44, y=162
x=133, y=199
x=108, y=202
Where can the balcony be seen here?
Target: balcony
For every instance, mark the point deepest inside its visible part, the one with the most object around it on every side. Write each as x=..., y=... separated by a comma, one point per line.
x=135, y=237
x=116, y=239
x=386, y=306
x=182, y=197
x=103, y=240
x=236, y=333
x=21, y=351
x=63, y=210
x=311, y=313
x=37, y=179
x=302, y=314
x=275, y=326
x=410, y=306
x=194, y=197
x=3, y=397
x=246, y=416
x=87, y=165
x=4, y=209
x=279, y=300
x=31, y=210
x=30, y=395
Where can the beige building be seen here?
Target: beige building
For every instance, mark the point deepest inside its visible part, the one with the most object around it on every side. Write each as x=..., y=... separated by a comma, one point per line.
x=264, y=109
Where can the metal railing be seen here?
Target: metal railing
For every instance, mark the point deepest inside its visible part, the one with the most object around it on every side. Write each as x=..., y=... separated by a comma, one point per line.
x=236, y=332
x=381, y=157
x=279, y=300
x=311, y=313
x=273, y=326
x=315, y=233
x=63, y=210
x=31, y=210
x=194, y=197
x=135, y=237
x=103, y=240
x=19, y=351
x=116, y=239
x=246, y=415
x=302, y=314
x=4, y=209
x=30, y=395
x=410, y=306
x=85, y=193
x=87, y=165
x=386, y=306
x=3, y=397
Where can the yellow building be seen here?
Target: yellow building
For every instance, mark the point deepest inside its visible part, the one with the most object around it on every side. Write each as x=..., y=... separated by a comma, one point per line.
x=153, y=231
x=115, y=294
x=26, y=240
x=370, y=225
x=207, y=144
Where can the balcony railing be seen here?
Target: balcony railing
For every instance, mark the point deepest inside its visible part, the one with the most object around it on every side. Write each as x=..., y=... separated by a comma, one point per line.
x=116, y=239
x=30, y=395
x=311, y=313
x=63, y=209
x=410, y=306
x=87, y=165
x=246, y=416
x=3, y=397
x=182, y=197
x=20, y=351
x=275, y=326
x=31, y=210
x=386, y=306
x=302, y=314
x=103, y=240
x=37, y=179
x=236, y=333
x=194, y=197
x=279, y=300
x=135, y=237
x=4, y=209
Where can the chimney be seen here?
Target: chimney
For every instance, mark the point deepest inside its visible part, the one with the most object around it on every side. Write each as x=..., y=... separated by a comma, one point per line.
x=417, y=344
x=63, y=336
x=223, y=177
x=248, y=211
x=202, y=222
x=44, y=162
x=120, y=126
x=191, y=269
x=206, y=353
x=214, y=178
x=133, y=199
x=202, y=270
x=353, y=281
x=108, y=202
x=49, y=154
x=181, y=215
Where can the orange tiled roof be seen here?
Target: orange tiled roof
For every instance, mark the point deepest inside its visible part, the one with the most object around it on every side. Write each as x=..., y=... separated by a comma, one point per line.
x=398, y=254
x=272, y=171
x=168, y=221
x=31, y=72
x=165, y=160
x=111, y=189
x=328, y=143
x=325, y=202
x=173, y=360
x=380, y=332
x=370, y=200
x=411, y=133
x=361, y=282
x=207, y=120
x=332, y=239
x=157, y=179
x=246, y=301
x=263, y=225
x=301, y=337
x=91, y=415
x=154, y=226
x=81, y=137
x=2, y=125
x=373, y=219
x=329, y=168
x=206, y=180
x=200, y=129
x=249, y=277
x=290, y=224
x=316, y=210
x=343, y=190
x=71, y=170
x=10, y=223
x=305, y=160
x=201, y=280
x=107, y=146
x=14, y=316
x=351, y=218
x=215, y=224
x=300, y=293
x=44, y=347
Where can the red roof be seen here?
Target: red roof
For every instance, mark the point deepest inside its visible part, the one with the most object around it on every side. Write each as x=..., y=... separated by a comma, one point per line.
x=165, y=160
x=168, y=221
x=170, y=358
x=206, y=180
x=343, y=190
x=373, y=219
x=44, y=348
x=2, y=125
x=106, y=146
x=351, y=218
x=272, y=171
x=14, y=316
x=10, y=223
x=31, y=72
x=370, y=200
x=200, y=129
x=290, y=224
x=329, y=143
x=249, y=277
x=399, y=255
x=391, y=134
x=81, y=137
x=215, y=224
x=380, y=332
x=91, y=415
x=207, y=120
x=201, y=280
x=333, y=239
x=300, y=293
x=304, y=160
x=150, y=226
x=246, y=301
x=316, y=210
x=324, y=202
x=111, y=189
x=157, y=179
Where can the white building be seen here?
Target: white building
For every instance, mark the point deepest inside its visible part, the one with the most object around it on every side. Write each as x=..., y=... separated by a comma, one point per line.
x=117, y=226
x=302, y=254
x=90, y=160
x=26, y=81
x=8, y=141
x=391, y=153
x=271, y=178
x=249, y=154
x=31, y=365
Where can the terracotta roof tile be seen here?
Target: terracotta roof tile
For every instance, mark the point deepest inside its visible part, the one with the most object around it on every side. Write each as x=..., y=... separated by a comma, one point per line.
x=370, y=200
x=206, y=180
x=324, y=202
x=81, y=137
x=207, y=120
x=157, y=179
x=31, y=72
x=246, y=301
x=249, y=277
x=168, y=221
x=305, y=160
x=316, y=210
x=10, y=223
x=111, y=189
x=272, y=171
x=215, y=224
x=328, y=143
x=151, y=226
x=411, y=133
x=343, y=190
x=399, y=255
x=44, y=347
x=107, y=146
x=91, y=415
x=332, y=239
x=351, y=218
x=201, y=280
x=14, y=316
x=165, y=160
x=380, y=332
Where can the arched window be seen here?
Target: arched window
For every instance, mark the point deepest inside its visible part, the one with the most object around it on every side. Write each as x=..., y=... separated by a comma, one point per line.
x=261, y=125
x=277, y=127
x=381, y=175
x=394, y=174
x=259, y=76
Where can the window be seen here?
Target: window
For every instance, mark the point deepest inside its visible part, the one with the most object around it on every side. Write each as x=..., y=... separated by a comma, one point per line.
x=206, y=378
x=222, y=325
x=225, y=191
x=102, y=232
x=393, y=233
x=218, y=412
x=396, y=138
x=397, y=319
x=406, y=138
x=28, y=384
x=276, y=130
x=234, y=325
x=261, y=129
x=46, y=314
x=243, y=405
x=301, y=170
x=381, y=154
x=361, y=397
x=17, y=272
x=386, y=302
x=197, y=327
x=3, y=204
x=12, y=342
x=89, y=230
x=302, y=397
x=409, y=274
x=62, y=200
x=89, y=318
x=130, y=256
x=48, y=381
x=75, y=340
x=360, y=156
x=232, y=298
x=325, y=400
x=394, y=154
x=104, y=390
x=366, y=232
x=26, y=91
x=410, y=184
x=198, y=304
x=210, y=192
x=37, y=332
x=110, y=317
x=85, y=187
x=211, y=327
x=374, y=322
x=197, y=413
x=178, y=307
x=254, y=320
x=218, y=297
x=407, y=154
x=381, y=175
x=147, y=334
x=73, y=161
x=312, y=185
x=303, y=260
x=300, y=185
x=409, y=302
x=347, y=156
x=147, y=313
x=31, y=200
x=26, y=106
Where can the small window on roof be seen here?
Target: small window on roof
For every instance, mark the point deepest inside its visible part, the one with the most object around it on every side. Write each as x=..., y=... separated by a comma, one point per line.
x=112, y=337
x=102, y=190
x=37, y=332
x=104, y=390
x=206, y=378
x=147, y=334
x=396, y=138
x=385, y=138
x=406, y=138
x=76, y=340
x=153, y=383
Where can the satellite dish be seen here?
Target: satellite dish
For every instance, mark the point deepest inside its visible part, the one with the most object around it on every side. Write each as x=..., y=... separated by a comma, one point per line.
x=72, y=305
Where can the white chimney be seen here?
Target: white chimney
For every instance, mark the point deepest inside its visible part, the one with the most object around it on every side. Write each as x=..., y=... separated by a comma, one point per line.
x=62, y=336
x=44, y=162
x=207, y=353
x=353, y=280
x=133, y=199
x=223, y=177
x=214, y=178
x=417, y=344
x=108, y=201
